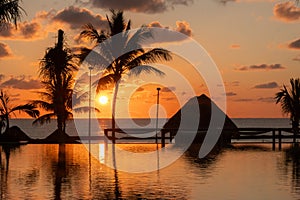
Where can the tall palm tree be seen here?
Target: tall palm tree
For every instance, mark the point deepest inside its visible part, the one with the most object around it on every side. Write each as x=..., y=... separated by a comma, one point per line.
x=57, y=101
x=131, y=62
x=6, y=110
x=56, y=69
x=10, y=11
x=289, y=98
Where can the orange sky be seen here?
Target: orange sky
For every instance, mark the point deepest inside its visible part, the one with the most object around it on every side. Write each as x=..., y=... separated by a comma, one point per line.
x=254, y=43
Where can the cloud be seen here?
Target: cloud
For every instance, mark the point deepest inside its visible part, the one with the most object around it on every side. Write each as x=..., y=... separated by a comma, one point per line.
x=297, y=58
x=230, y=94
x=224, y=2
x=149, y=6
x=244, y=100
x=26, y=31
x=77, y=17
x=295, y=44
x=140, y=89
x=5, y=51
x=261, y=99
x=183, y=27
x=287, y=11
x=22, y=83
x=269, y=85
x=267, y=99
x=235, y=83
x=29, y=29
x=169, y=98
x=155, y=24
x=2, y=76
x=168, y=89
x=235, y=46
x=261, y=67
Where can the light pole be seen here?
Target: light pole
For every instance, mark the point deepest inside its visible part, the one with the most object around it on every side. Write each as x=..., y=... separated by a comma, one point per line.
x=157, y=111
x=90, y=104
x=90, y=99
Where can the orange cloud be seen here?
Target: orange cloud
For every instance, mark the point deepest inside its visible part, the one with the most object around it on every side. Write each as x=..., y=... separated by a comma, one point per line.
x=295, y=44
x=235, y=46
x=5, y=51
x=149, y=6
x=287, y=12
x=27, y=30
x=183, y=27
x=260, y=67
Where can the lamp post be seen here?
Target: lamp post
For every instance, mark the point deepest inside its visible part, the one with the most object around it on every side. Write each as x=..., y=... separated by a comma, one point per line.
x=90, y=104
x=157, y=111
x=90, y=99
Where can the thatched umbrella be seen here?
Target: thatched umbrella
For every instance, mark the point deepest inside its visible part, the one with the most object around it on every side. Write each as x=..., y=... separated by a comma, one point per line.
x=205, y=107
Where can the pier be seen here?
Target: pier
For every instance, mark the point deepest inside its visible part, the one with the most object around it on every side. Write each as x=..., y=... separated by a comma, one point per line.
x=246, y=135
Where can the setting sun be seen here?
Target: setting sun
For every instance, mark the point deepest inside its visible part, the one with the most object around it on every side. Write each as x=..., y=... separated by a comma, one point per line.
x=103, y=100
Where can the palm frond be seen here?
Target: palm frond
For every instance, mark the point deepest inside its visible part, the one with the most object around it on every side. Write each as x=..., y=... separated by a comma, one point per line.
x=92, y=34
x=137, y=39
x=136, y=71
x=44, y=119
x=93, y=58
x=29, y=109
x=43, y=104
x=105, y=81
x=10, y=11
x=84, y=109
x=152, y=56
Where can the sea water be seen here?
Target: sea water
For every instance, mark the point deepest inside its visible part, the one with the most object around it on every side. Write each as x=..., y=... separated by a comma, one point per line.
x=252, y=171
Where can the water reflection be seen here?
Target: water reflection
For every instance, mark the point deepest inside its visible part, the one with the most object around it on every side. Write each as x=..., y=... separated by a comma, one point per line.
x=292, y=166
x=60, y=172
x=70, y=172
x=6, y=151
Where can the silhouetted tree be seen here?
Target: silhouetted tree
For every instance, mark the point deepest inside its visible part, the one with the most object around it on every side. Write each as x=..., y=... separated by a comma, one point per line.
x=56, y=69
x=10, y=11
x=135, y=59
x=290, y=103
x=6, y=110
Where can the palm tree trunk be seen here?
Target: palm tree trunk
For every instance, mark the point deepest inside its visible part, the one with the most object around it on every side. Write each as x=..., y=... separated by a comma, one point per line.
x=295, y=125
x=7, y=122
x=113, y=121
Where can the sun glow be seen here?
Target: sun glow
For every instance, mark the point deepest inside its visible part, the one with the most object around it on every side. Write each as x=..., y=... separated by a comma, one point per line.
x=103, y=100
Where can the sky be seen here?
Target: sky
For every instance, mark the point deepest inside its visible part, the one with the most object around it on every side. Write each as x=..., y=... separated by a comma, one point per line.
x=255, y=45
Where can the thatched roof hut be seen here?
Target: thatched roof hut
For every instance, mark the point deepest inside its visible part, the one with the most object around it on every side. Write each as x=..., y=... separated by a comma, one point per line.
x=14, y=134
x=205, y=109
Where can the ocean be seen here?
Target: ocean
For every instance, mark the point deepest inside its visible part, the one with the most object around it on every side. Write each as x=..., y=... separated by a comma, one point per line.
x=82, y=171
x=38, y=131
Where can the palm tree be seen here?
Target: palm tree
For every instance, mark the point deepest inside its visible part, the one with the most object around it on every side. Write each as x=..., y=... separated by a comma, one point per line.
x=57, y=101
x=131, y=62
x=56, y=69
x=290, y=103
x=6, y=110
x=10, y=11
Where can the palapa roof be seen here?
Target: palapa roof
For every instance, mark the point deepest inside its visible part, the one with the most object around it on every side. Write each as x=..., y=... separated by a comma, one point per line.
x=205, y=106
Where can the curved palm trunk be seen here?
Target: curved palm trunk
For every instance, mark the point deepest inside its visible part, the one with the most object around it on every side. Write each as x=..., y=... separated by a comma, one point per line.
x=295, y=127
x=113, y=121
x=6, y=118
x=117, y=189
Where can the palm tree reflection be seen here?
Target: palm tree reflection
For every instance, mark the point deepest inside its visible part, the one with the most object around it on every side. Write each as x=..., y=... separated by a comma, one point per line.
x=60, y=172
x=292, y=160
x=118, y=193
x=4, y=167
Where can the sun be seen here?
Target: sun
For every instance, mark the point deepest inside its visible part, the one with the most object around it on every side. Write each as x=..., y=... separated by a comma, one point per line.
x=103, y=100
